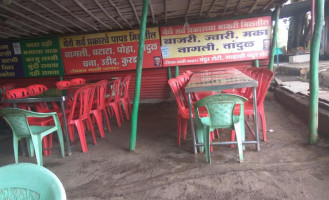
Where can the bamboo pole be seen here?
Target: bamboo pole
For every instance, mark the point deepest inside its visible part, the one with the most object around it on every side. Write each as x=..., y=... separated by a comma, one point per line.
x=134, y=117
x=275, y=35
x=314, y=72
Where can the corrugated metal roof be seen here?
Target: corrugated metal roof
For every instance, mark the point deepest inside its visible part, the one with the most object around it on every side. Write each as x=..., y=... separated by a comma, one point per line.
x=26, y=18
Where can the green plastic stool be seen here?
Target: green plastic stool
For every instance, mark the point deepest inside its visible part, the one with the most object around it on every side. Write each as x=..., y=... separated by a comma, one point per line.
x=220, y=108
x=17, y=120
x=27, y=181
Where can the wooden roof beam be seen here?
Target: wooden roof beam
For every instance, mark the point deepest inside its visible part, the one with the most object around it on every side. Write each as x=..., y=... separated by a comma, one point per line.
x=8, y=34
x=20, y=28
x=152, y=11
x=92, y=15
x=58, y=15
x=238, y=6
x=201, y=8
x=268, y=4
x=134, y=9
x=73, y=15
x=13, y=31
x=188, y=8
x=211, y=7
x=119, y=13
x=253, y=7
x=107, y=14
x=24, y=24
x=165, y=10
x=41, y=16
x=28, y=18
x=225, y=8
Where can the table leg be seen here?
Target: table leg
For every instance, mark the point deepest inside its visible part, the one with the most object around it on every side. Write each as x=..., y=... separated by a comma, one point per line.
x=192, y=123
x=67, y=138
x=256, y=117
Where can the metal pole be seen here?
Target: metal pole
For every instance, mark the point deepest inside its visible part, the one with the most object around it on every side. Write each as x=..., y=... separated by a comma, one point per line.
x=275, y=35
x=169, y=73
x=256, y=63
x=176, y=71
x=314, y=72
x=139, y=66
x=60, y=78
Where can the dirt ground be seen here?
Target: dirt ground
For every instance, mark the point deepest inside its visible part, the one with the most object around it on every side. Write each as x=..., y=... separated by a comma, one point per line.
x=285, y=168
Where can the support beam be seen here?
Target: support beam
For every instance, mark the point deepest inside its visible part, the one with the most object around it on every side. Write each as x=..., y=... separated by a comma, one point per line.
x=16, y=32
x=107, y=14
x=165, y=10
x=91, y=14
x=274, y=39
x=253, y=7
x=24, y=24
x=135, y=12
x=41, y=16
x=73, y=15
x=58, y=15
x=225, y=8
x=134, y=117
x=201, y=7
x=20, y=28
x=152, y=12
x=270, y=2
x=28, y=18
x=211, y=7
x=188, y=8
x=8, y=34
x=120, y=14
x=314, y=72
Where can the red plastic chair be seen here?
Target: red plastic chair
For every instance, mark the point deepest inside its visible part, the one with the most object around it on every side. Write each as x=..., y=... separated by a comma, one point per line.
x=113, y=101
x=124, y=99
x=77, y=81
x=63, y=84
x=264, y=77
x=189, y=73
x=80, y=112
x=183, y=110
x=99, y=107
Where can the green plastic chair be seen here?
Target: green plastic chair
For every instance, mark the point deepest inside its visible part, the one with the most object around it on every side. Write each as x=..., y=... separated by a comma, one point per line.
x=29, y=181
x=220, y=108
x=17, y=120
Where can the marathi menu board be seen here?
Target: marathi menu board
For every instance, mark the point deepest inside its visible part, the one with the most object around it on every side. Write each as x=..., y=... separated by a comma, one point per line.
x=41, y=57
x=213, y=42
x=109, y=51
x=10, y=60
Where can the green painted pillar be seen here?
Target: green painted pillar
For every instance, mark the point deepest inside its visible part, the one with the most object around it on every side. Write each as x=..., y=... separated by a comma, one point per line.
x=134, y=117
x=169, y=73
x=60, y=78
x=176, y=71
x=314, y=72
x=274, y=39
x=256, y=63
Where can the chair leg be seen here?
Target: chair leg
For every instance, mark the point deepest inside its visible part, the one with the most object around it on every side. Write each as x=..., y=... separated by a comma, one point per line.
x=262, y=117
x=232, y=137
x=97, y=115
x=117, y=114
x=120, y=111
x=50, y=143
x=129, y=105
x=30, y=147
x=82, y=135
x=207, y=143
x=107, y=119
x=36, y=139
x=92, y=130
x=15, y=144
x=184, y=128
x=178, y=129
x=71, y=132
x=125, y=108
x=238, y=133
x=200, y=133
x=61, y=141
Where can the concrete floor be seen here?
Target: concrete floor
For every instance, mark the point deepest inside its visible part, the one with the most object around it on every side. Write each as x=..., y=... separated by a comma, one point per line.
x=285, y=168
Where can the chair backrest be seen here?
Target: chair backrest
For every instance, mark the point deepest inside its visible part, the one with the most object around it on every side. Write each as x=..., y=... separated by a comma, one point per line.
x=82, y=102
x=100, y=89
x=183, y=79
x=264, y=78
x=29, y=181
x=220, y=108
x=189, y=73
x=125, y=86
x=78, y=81
x=63, y=84
x=4, y=88
x=116, y=89
x=17, y=120
x=36, y=89
x=178, y=93
x=17, y=93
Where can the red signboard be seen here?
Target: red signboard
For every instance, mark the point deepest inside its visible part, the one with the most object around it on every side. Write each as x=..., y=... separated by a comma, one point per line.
x=112, y=51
